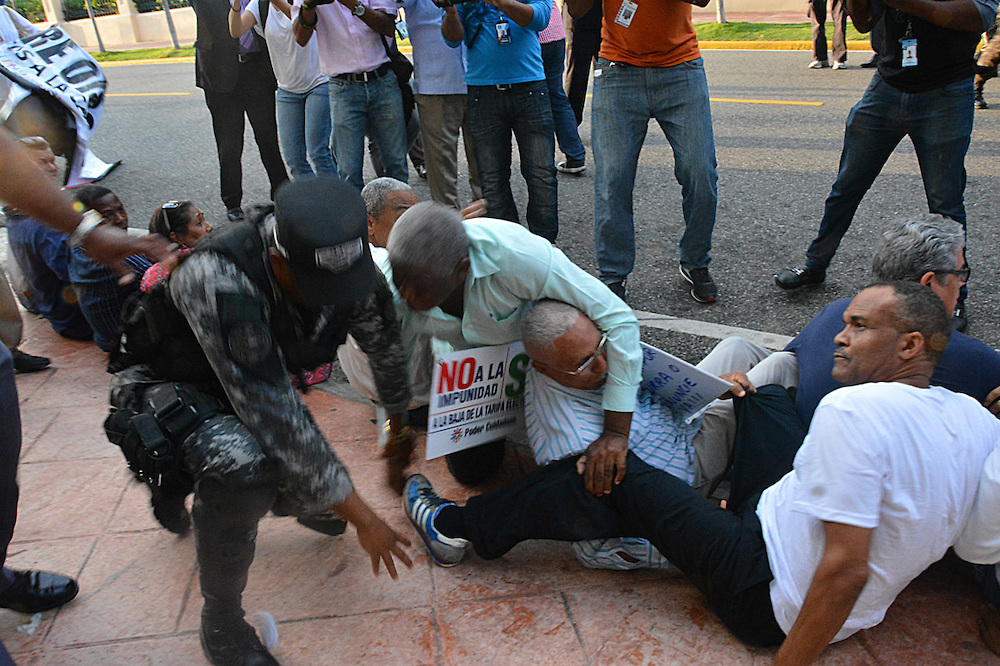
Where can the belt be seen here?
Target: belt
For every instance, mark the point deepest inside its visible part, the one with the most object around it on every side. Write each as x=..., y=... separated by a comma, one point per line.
x=365, y=77
x=502, y=87
x=249, y=56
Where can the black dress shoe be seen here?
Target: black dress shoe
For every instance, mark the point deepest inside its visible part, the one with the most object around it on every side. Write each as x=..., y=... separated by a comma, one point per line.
x=28, y=363
x=871, y=64
x=36, y=591
x=170, y=511
x=793, y=278
x=235, y=214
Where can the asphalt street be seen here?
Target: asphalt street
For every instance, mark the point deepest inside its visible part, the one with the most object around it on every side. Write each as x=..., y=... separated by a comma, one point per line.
x=776, y=161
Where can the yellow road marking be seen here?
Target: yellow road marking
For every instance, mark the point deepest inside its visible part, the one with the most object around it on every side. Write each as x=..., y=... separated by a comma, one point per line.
x=153, y=94
x=764, y=101
x=753, y=101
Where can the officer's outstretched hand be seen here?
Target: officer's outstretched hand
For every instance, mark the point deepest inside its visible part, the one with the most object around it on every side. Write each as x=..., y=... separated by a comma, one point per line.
x=379, y=540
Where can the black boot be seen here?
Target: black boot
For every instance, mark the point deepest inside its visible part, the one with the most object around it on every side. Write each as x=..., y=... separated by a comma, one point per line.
x=225, y=522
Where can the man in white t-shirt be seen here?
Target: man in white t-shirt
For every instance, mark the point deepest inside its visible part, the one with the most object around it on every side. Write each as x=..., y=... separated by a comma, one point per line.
x=880, y=489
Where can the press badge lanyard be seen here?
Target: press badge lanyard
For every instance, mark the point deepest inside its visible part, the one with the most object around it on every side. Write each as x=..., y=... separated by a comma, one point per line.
x=502, y=28
x=909, y=43
x=625, y=13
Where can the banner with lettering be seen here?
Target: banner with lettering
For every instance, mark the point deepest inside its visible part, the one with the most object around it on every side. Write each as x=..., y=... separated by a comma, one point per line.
x=477, y=396
x=678, y=383
x=51, y=63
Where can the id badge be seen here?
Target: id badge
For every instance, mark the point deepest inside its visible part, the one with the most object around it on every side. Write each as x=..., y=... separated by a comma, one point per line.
x=625, y=13
x=909, y=52
x=503, y=32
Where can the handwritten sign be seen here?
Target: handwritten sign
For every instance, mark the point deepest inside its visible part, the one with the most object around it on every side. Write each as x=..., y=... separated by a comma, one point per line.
x=50, y=63
x=678, y=383
x=477, y=396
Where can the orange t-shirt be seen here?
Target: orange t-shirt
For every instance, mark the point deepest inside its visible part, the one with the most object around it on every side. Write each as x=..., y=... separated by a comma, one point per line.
x=660, y=35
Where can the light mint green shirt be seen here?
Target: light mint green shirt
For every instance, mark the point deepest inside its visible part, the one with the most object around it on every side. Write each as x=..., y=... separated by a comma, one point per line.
x=510, y=269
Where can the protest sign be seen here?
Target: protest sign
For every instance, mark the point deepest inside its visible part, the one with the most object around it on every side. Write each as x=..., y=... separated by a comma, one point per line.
x=477, y=396
x=49, y=63
x=678, y=383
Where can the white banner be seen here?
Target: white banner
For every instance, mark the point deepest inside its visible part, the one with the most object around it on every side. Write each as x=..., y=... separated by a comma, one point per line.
x=51, y=63
x=477, y=396
x=678, y=383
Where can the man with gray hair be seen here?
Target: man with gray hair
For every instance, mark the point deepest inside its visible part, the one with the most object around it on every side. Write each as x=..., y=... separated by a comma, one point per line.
x=562, y=409
x=470, y=283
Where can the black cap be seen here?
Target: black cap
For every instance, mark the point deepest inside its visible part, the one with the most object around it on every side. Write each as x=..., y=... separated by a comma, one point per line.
x=322, y=231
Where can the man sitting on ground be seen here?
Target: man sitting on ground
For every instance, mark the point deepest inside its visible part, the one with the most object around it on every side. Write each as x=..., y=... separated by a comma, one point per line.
x=42, y=254
x=98, y=287
x=878, y=491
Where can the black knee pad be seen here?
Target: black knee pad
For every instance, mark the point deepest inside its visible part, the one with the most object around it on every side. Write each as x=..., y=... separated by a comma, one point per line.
x=235, y=498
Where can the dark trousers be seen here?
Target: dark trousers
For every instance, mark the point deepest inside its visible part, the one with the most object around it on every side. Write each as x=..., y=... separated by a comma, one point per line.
x=581, y=54
x=10, y=450
x=722, y=552
x=253, y=96
x=522, y=109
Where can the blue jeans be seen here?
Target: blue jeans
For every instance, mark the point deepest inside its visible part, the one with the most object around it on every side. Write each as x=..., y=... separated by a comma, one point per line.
x=553, y=59
x=523, y=109
x=377, y=106
x=939, y=123
x=304, y=125
x=625, y=98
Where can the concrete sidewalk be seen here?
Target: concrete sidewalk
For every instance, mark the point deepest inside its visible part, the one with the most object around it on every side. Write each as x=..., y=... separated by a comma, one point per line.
x=81, y=514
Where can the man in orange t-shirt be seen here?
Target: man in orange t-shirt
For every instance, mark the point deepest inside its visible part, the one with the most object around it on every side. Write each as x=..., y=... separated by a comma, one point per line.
x=650, y=67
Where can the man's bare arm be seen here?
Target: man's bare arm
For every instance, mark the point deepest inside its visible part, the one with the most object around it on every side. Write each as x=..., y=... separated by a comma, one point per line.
x=25, y=187
x=861, y=14
x=836, y=585
x=951, y=14
x=451, y=25
x=577, y=8
x=379, y=21
x=305, y=23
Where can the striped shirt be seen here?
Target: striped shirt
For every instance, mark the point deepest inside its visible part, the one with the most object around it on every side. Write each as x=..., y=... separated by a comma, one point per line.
x=563, y=421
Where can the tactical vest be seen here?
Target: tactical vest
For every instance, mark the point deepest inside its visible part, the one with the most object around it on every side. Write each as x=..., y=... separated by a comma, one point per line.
x=157, y=334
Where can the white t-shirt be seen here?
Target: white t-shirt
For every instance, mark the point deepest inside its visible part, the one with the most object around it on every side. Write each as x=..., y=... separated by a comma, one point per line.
x=902, y=460
x=979, y=541
x=296, y=67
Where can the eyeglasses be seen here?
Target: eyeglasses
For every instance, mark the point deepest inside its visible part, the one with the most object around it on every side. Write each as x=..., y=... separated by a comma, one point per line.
x=590, y=359
x=961, y=273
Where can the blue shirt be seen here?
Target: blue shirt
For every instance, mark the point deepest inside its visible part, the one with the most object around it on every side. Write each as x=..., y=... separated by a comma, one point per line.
x=437, y=69
x=509, y=269
x=43, y=256
x=967, y=365
x=101, y=297
x=489, y=61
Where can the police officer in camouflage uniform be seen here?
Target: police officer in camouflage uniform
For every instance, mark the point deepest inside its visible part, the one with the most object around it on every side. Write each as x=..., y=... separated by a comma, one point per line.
x=262, y=299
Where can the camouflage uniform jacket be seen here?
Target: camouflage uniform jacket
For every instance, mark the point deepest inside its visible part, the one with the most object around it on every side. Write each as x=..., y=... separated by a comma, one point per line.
x=232, y=321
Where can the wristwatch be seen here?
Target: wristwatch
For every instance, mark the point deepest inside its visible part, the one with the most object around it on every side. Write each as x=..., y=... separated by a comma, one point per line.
x=89, y=222
x=359, y=10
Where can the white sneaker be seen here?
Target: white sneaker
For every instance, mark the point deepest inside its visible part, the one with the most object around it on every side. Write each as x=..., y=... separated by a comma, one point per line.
x=840, y=65
x=818, y=64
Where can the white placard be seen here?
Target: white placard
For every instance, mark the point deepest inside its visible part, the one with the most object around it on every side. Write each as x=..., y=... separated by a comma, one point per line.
x=477, y=396
x=51, y=63
x=678, y=383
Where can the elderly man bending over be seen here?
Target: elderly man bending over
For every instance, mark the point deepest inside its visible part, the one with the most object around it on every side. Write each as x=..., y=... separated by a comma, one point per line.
x=469, y=283
x=879, y=490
